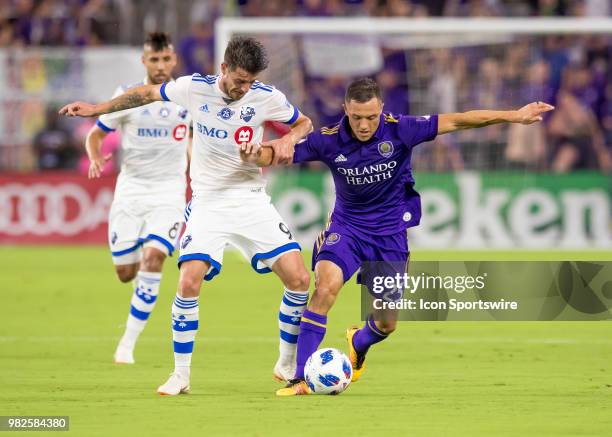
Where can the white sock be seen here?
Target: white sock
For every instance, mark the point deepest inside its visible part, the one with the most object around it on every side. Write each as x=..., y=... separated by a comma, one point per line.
x=291, y=309
x=185, y=319
x=146, y=289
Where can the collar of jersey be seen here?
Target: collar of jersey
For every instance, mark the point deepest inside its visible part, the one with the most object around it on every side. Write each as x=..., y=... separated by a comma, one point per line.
x=346, y=134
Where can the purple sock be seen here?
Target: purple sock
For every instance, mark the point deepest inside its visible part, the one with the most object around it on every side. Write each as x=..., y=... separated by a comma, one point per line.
x=312, y=331
x=367, y=336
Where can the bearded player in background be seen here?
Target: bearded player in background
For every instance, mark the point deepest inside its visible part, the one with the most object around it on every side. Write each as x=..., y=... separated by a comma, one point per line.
x=146, y=216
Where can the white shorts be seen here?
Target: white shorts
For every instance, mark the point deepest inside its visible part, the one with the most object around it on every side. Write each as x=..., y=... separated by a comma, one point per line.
x=249, y=222
x=132, y=225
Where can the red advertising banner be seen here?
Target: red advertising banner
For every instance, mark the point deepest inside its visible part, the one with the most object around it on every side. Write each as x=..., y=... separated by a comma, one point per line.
x=54, y=208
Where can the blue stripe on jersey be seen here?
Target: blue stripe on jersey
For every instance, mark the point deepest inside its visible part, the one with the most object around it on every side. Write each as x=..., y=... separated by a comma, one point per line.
x=216, y=265
x=260, y=85
x=104, y=127
x=162, y=240
x=259, y=256
x=294, y=117
x=196, y=77
x=126, y=251
x=256, y=87
x=162, y=91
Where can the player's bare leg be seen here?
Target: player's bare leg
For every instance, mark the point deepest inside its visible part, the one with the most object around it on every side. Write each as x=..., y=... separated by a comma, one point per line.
x=147, y=275
x=296, y=279
x=126, y=272
x=185, y=319
x=329, y=279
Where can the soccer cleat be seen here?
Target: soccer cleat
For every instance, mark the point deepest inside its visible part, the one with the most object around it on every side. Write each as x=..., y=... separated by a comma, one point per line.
x=124, y=355
x=357, y=359
x=283, y=372
x=295, y=387
x=175, y=385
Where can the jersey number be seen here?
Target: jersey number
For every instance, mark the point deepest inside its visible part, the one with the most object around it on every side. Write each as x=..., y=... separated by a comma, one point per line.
x=285, y=230
x=174, y=230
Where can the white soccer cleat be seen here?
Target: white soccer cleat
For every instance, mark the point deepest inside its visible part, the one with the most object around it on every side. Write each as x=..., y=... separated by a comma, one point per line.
x=124, y=355
x=283, y=372
x=175, y=385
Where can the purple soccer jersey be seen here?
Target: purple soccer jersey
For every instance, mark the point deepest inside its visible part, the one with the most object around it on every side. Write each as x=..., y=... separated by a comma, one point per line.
x=375, y=198
x=373, y=179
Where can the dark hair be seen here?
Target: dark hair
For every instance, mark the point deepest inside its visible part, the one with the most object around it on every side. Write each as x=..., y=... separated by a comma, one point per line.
x=246, y=53
x=362, y=90
x=158, y=41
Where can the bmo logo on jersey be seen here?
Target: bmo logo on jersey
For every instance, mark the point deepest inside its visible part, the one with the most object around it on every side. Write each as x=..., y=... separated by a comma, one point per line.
x=153, y=132
x=212, y=132
x=180, y=132
x=243, y=134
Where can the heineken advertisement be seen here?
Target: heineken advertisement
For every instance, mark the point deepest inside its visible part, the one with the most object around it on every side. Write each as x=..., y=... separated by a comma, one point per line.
x=473, y=210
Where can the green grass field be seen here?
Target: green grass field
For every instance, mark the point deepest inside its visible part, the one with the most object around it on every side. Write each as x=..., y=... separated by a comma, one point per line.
x=62, y=312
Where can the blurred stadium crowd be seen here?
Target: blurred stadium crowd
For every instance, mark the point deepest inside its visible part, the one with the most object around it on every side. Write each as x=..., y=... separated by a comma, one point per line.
x=572, y=72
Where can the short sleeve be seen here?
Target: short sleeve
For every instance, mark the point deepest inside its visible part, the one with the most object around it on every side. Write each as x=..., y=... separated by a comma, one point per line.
x=177, y=91
x=280, y=109
x=415, y=130
x=110, y=122
x=308, y=149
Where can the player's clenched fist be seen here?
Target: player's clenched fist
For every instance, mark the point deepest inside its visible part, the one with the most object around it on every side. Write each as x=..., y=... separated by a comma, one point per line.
x=250, y=148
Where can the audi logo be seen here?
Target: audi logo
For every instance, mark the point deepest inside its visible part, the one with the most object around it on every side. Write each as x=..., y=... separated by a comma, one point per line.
x=42, y=209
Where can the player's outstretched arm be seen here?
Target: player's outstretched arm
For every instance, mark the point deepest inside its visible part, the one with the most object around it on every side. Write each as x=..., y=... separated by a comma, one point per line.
x=132, y=98
x=528, y=114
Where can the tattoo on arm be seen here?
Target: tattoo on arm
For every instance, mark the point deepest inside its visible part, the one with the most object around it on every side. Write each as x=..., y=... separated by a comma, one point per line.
x=132, y=99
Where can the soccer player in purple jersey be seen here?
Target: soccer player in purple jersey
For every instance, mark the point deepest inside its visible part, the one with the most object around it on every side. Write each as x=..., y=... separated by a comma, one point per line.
x=369, y=155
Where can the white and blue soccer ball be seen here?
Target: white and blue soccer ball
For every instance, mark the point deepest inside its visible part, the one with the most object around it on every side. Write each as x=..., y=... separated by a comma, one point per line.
x=328, y=372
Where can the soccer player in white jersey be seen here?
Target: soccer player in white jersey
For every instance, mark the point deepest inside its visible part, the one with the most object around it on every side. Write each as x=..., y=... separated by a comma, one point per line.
x=146, y=215
x=229, y=205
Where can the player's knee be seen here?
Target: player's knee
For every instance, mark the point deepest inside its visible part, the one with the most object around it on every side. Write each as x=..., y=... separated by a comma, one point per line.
x=153, y=261
x=189, y=286
x=126, y=273
x=299, y=282
x=323, y=298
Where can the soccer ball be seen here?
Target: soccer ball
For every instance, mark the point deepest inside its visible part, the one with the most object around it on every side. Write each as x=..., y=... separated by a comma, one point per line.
x=328, y=372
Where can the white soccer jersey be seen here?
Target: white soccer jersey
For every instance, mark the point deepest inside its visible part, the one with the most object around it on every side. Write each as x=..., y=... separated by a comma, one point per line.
x=221, y=124
x=154, y=141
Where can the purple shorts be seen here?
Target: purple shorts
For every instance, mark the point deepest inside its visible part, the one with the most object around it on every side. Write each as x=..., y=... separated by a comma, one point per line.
x=349, y=248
